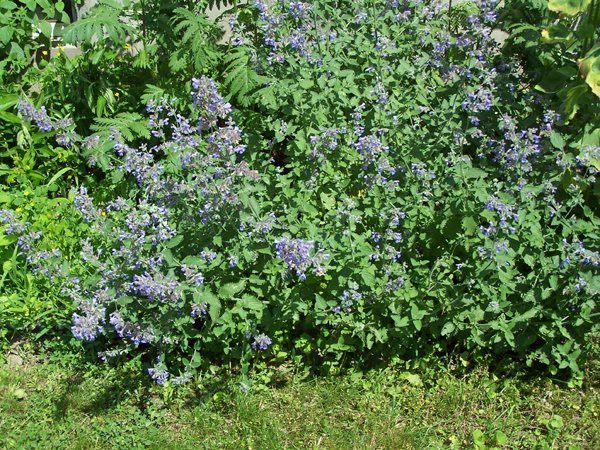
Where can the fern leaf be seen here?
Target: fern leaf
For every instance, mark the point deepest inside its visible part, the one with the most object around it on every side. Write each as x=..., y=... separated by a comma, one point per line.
x=130, y=125
x=241, y=79
x=103, y=21
x=198, y=36
x=152, y=92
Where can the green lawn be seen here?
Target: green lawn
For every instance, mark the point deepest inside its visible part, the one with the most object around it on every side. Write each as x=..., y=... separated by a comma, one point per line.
x=46, y=406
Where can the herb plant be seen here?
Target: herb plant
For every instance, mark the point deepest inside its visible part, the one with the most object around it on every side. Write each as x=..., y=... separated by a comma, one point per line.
x=370, y=180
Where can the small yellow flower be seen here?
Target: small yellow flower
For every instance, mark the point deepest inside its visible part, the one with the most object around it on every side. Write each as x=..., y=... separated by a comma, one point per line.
x=117, y=94
x=19, y=210
x=45, y=52
x=127, y=45
x=103, y=213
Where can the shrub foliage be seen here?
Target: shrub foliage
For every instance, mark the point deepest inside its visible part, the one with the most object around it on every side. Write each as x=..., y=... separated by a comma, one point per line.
x=374, y=179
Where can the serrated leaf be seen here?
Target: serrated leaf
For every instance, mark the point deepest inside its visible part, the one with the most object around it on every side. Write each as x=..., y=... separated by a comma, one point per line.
x=557, y=140
x=174, y=242
x=103, y=21
x=229, y=290
x=368, y=276
x=213, y=302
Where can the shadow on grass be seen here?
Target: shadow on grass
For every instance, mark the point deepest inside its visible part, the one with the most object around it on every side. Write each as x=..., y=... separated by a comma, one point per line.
x=93, y=388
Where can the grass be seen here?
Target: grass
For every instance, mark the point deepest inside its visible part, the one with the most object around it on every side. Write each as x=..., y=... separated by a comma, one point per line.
x=49, y=405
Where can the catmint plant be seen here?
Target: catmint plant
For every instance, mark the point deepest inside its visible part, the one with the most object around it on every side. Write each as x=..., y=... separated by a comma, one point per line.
x=388, y=186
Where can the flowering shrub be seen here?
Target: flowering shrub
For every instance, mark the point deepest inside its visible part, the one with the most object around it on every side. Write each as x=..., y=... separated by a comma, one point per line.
x=391, y=189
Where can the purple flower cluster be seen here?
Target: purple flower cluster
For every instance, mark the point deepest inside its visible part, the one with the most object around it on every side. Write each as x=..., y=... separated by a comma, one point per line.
x=132, y=239
x=88, y=325
x=480, y=100
x=326, y=142
x=373, y=151
x=299, y=256
x=159, y=375
x=257, y=229
x=13, y=226
x=225, y=141
x=135, y=333
x=518, y=146
x=84, y=203
x=297, y=36
x=577, y=252
x=207, y=100
x=508, y=218
x=46, y=124
x=199, y=310
x=39, y=116
x=261, y=342
x=155, y=287
x=193, y=275
x=589, y=158
x=348, y=299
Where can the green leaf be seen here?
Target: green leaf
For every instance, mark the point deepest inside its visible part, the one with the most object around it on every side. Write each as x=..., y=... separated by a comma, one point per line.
x=327, y=201
x=241, y=79
x=229, y=290
x=213, y=302
x=400, y=321
x=572, y=96
x=57, y=175
x=104, y=21
x=7, y=240
x=9, y=117
x=174, y=242
x=196, y=360
x=249, y=302
x=100, y=105
x=558, y=33
x=478, y=438
x=501, y=438
x=412, y=378
x=16, y=52
x=568, y=7
x=473, y=173
x=368, y=276
x=6, y=34
x=556, y=80
x=8, y=6
x=306, y=83
x=470, y=226
x=198, y=38
x=125, y=300
x=130, y=125
x=589, y=66
x=557, y=140
x=447, y=328
x=46, y=28
x=320, y=303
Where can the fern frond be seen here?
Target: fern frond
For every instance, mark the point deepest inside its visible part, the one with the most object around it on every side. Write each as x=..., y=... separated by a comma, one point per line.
x=130, y=125
x=241, y=79
x=152, y=92
x=198, y=34
x=103, y=21
x=177, y=61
